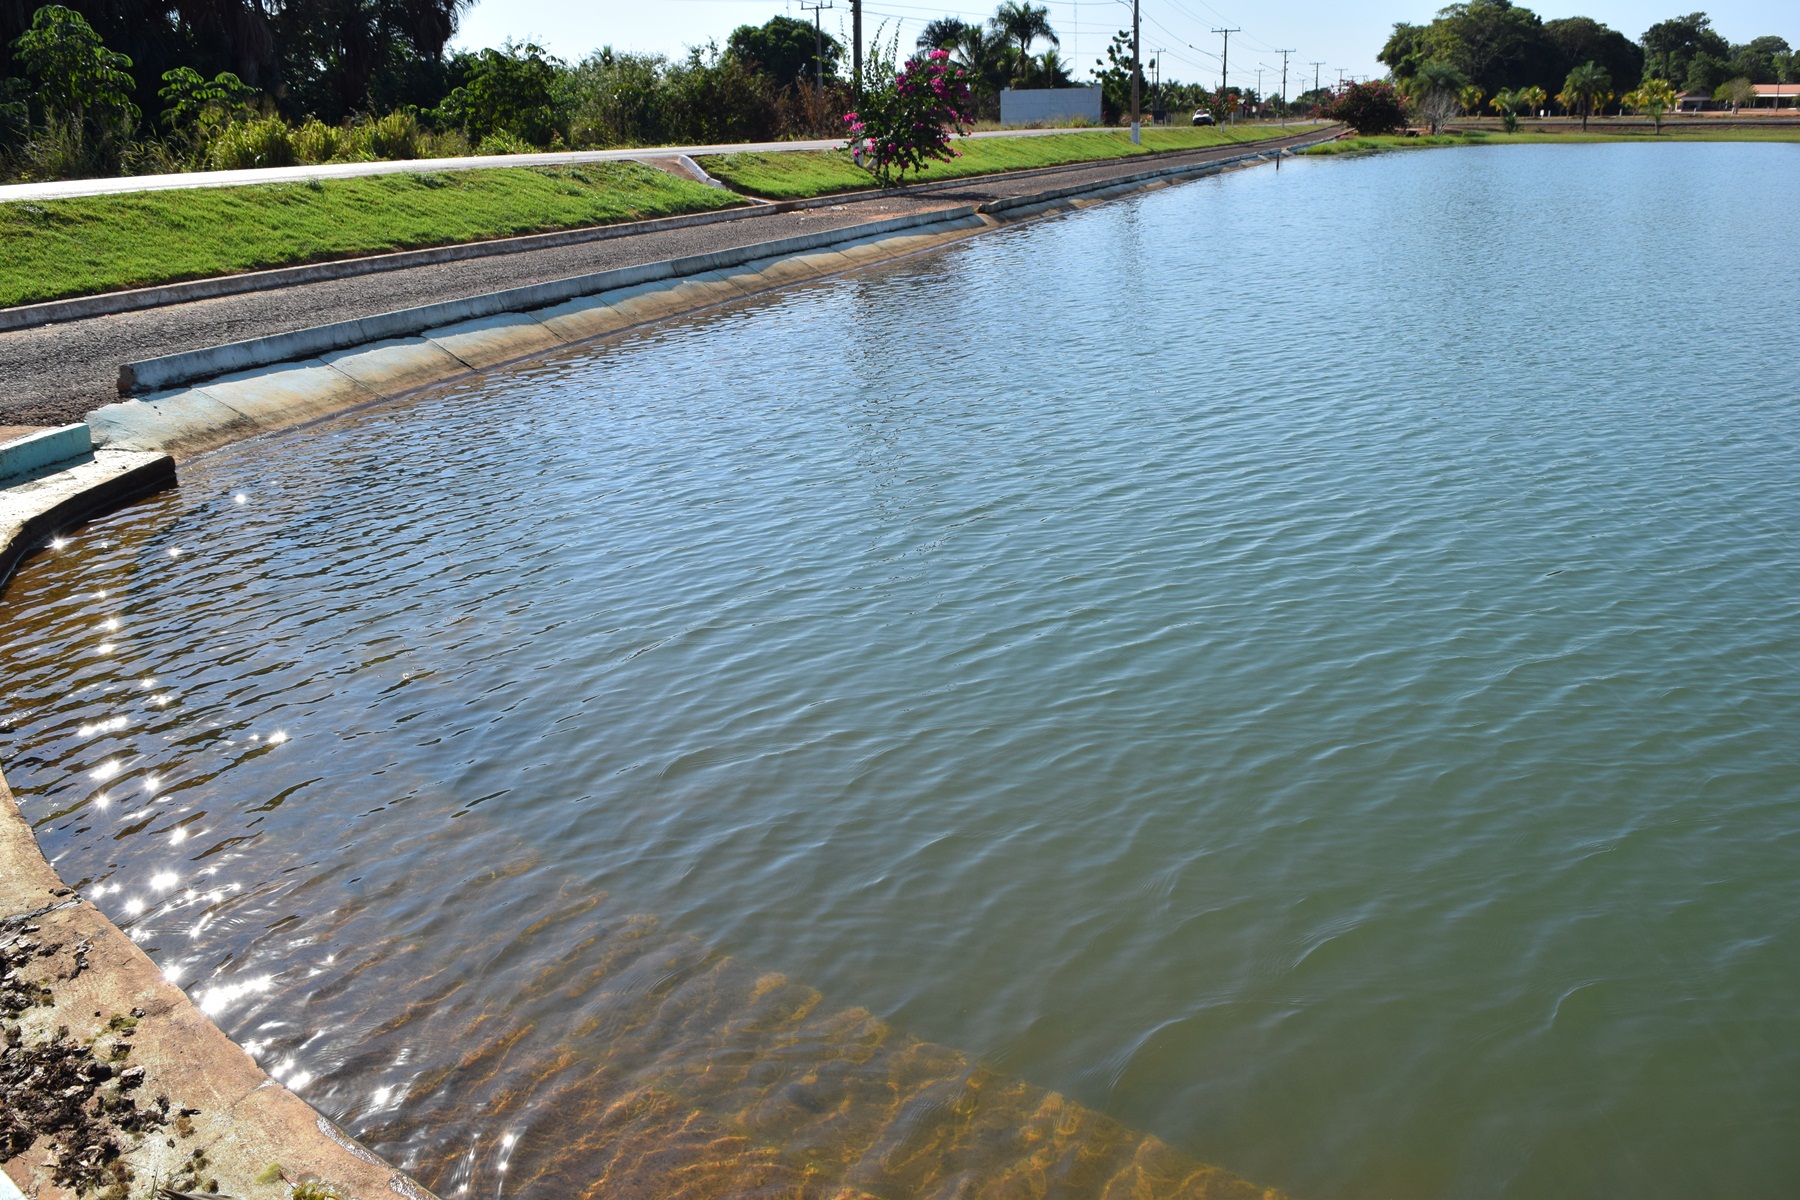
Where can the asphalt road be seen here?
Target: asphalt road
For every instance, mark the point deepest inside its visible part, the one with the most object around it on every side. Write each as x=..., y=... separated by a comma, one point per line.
x=55, y=374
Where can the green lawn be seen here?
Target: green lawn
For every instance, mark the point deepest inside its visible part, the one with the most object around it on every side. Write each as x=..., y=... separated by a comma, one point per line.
x=55, y=248
x=1548, y=136
x=798, y=174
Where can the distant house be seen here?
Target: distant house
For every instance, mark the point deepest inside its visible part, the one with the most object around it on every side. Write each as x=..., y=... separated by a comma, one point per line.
x=1768, y=95
x=1777, y=95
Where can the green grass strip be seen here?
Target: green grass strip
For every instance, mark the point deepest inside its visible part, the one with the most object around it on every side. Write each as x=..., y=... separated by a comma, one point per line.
x=801, y=174
x=1552, y=137
x=51, y=249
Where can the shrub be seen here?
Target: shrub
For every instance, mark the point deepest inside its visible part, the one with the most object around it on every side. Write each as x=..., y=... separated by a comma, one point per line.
x=250, y=144
x=902, y=124
x=504, y=142
x=1368, y=108
x=316, y=142
x=384, y=138
x=513, y=90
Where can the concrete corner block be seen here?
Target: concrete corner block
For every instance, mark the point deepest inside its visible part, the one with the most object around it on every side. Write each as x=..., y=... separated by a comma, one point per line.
x=488, y=341
x=287, y=394
x=390, y=368
x=184, y=421
x=35, y=451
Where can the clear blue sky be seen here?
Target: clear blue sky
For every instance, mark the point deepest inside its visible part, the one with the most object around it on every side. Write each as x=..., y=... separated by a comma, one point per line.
x=1340, y=33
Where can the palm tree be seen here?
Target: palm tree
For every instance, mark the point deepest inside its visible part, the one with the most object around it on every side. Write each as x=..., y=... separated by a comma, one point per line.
x=989, y=58
x=1654, y=96
x=1435, y=89
x=1052, y=72
x=1532, y=99
x=942, y=34
x=1507, y=103
x=1023, y=22
x=1585, y=85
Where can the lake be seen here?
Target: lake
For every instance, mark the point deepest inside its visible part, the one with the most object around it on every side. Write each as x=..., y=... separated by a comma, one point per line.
x=1298, y=672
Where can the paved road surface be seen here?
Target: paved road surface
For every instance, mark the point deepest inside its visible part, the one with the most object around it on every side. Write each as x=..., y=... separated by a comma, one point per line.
x=56, y=373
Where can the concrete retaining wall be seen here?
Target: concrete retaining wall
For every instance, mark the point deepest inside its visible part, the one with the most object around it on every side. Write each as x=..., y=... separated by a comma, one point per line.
x=1035, y=106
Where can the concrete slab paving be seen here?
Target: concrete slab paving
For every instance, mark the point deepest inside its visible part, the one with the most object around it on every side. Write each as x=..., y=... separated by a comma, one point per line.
x=183, y=421
x=390, y=368
x=288, y=393
x=583, y=318
x=489, y=341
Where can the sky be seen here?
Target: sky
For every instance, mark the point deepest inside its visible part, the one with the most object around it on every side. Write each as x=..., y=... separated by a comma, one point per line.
x=1339, y=35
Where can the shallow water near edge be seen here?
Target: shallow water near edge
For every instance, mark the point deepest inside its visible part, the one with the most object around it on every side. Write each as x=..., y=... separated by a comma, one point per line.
x=1303, y=665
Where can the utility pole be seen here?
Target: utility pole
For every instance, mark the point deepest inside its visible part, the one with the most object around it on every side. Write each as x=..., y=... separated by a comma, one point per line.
x=1156, y=65
x=1225, y=68
x=1340, y=72
x=856, y=46
x=1259, y=70
x=818, y=41
x=1315, y=67
x=1137, y=77
x=1285, y=102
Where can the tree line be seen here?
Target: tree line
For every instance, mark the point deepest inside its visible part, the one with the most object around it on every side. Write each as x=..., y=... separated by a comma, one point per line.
x=1508, y=56
x=130, y=87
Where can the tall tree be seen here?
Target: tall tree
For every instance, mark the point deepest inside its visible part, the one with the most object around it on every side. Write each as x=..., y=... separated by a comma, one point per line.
x=1583, y=39
x=1404, y=52
x=1493, y=42
x=785, y=49
x=943, y=33
x=1670, y=47
x=1023, y=22
x=987, y=57
x=1584, y=88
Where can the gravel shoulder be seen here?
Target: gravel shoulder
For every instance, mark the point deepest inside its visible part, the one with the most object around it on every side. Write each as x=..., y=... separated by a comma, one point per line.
x=55, y=374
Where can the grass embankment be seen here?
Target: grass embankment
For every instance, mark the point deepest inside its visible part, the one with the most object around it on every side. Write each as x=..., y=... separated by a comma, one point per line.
x=1481, y=137
x=50, y=249
x=801, y=174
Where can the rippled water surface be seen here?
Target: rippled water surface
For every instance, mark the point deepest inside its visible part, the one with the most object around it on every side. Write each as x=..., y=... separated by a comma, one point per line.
x=1293, y=672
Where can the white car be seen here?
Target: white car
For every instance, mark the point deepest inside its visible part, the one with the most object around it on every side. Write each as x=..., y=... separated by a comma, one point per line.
x=1204, y=118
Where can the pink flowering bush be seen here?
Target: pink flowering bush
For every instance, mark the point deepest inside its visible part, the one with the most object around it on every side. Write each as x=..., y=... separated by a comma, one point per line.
x=905, y=125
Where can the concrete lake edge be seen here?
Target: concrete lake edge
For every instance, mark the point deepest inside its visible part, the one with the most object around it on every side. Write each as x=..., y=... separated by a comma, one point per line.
x=245, y=1120
x=75, y=308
